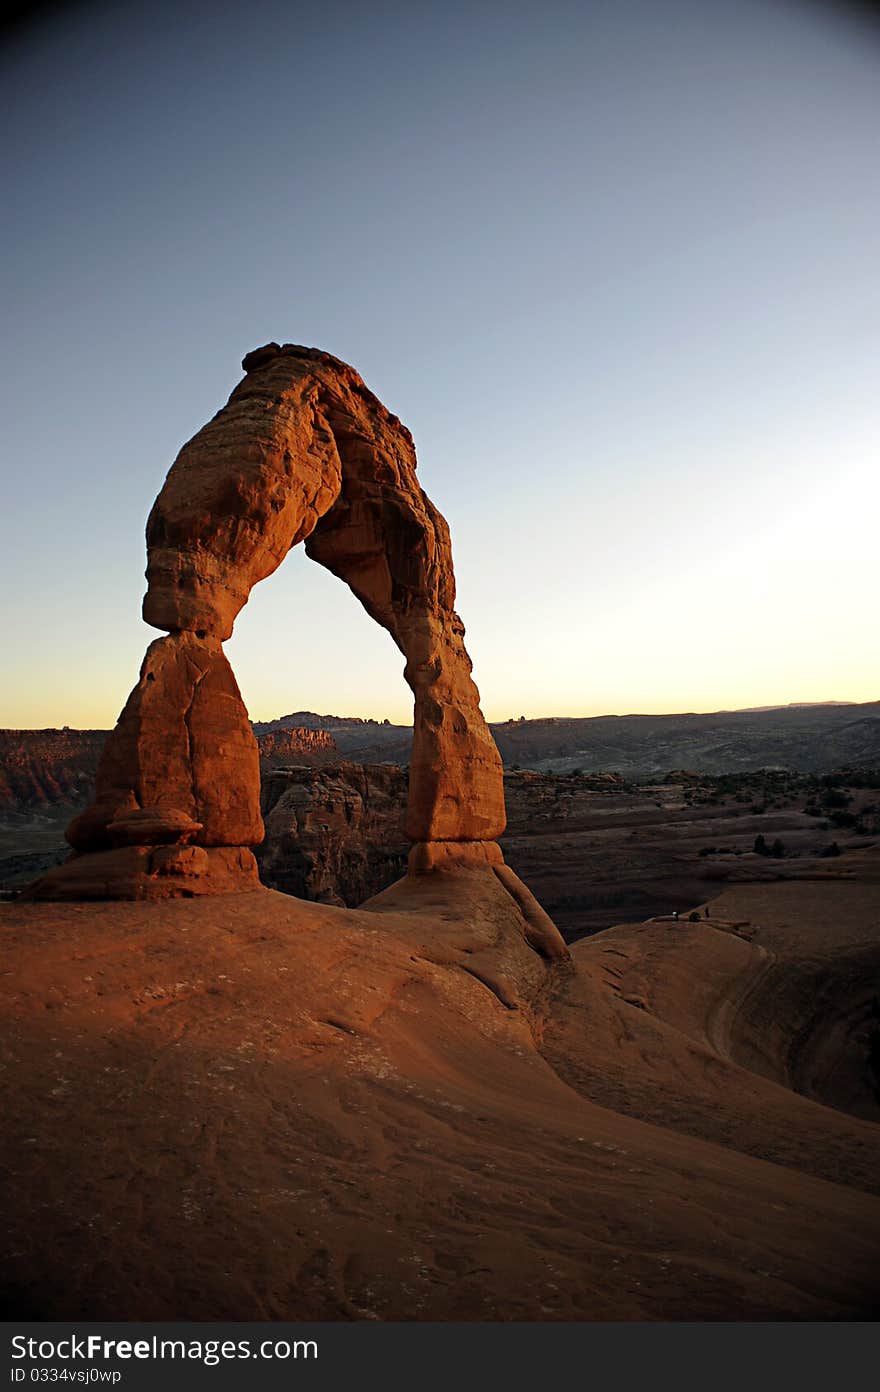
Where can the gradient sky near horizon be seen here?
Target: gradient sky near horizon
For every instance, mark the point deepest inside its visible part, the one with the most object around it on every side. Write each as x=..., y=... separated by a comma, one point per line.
x=616, y=266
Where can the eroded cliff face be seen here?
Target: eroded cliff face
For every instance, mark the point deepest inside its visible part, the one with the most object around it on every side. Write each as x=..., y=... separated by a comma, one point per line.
x=47, y=768
x=295, y=745
x=334, y=834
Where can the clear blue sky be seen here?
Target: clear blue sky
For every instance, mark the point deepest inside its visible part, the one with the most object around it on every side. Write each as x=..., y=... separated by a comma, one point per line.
x=616, y=265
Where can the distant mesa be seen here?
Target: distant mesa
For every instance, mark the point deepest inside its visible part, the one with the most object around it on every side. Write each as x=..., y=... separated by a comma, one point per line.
x=295, y=743
x=302, y=452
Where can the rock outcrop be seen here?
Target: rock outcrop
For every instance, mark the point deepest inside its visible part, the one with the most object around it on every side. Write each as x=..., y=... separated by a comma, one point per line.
x=333, y=834
x=295, y=745
x=182, y=748
x=177, y=791
x=47, y=768
x=302, y=452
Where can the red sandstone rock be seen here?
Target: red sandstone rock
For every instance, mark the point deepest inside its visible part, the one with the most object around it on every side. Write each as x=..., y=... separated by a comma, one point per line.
x=150, y=872
x=426, y=856
x=301, y=452
x=333, y=834
x=44, y=768
x=183, y=746
x=295, y=744
x=153, y=826
x=304, y=451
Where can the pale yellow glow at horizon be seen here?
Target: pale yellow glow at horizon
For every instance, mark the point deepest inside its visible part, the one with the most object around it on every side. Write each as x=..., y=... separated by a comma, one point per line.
x=778, y=609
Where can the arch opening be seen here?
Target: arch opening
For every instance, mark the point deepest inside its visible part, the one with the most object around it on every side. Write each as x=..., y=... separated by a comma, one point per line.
x=303, y=643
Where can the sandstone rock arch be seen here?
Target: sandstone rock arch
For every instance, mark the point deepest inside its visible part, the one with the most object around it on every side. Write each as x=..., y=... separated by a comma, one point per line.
x=302, y=452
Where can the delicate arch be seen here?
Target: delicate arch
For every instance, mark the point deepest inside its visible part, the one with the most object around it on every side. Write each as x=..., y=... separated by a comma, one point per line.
x=302, y=451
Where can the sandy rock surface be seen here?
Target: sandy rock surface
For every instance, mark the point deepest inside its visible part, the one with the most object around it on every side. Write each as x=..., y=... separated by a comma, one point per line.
x=246, y=1106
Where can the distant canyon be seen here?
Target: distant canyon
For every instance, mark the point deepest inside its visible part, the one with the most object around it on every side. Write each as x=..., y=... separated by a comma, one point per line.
x=610, y=818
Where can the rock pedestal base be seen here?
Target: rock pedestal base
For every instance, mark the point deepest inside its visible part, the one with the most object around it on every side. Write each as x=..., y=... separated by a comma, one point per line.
x=150, y=872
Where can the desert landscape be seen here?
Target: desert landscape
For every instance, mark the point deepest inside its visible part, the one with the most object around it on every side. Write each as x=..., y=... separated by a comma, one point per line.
x=595, y=844
x=439, y=718
x=447, y=1074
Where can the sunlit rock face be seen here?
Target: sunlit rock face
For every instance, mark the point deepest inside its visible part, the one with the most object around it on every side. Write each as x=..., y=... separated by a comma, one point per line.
x=302, y=452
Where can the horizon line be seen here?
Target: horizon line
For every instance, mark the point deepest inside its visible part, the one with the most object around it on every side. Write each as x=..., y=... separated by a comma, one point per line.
x=511, y=720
